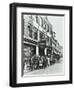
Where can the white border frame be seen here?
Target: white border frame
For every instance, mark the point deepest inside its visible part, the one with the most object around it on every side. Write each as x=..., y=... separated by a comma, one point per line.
x=66, y=46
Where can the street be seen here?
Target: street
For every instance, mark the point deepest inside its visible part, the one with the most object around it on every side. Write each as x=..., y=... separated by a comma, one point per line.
x=52, y=69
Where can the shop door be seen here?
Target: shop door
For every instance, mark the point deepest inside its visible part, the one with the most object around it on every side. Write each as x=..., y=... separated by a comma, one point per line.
x=41, y=51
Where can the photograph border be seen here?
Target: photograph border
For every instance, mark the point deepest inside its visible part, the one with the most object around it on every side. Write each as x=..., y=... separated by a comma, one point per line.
x=13, y=46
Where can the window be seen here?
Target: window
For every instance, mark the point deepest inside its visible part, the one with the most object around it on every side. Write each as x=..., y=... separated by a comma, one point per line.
x=50, y=30
x=47, y=38
x=42, y=36
x=42, y=22
x=44, y=25
x=47, y=41
x=30, y=30
x=47, y=28
x=37, y=20
x=50, y=40
x=35, y=33
x=31, y=16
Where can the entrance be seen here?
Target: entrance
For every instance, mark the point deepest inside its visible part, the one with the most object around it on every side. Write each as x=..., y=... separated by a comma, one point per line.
x=41, y=51
x=42, y=45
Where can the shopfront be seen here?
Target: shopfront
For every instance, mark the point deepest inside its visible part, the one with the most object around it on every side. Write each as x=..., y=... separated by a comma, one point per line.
x=28, y=52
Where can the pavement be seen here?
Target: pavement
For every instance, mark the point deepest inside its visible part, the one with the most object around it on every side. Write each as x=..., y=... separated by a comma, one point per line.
x=52, y=69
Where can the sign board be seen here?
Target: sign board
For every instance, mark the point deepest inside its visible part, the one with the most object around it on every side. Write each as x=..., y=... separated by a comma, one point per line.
x=42, y=43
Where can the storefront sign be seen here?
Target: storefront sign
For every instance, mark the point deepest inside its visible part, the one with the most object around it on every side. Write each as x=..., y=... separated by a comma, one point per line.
x=42, y=44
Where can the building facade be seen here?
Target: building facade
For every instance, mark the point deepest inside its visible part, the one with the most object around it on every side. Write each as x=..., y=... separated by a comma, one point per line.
x=38, y=38
x=56, y=50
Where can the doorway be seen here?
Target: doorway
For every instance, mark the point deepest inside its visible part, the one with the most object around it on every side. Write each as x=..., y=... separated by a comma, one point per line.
x=41, y=51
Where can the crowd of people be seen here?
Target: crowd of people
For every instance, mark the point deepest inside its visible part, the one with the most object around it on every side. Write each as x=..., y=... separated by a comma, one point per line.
x=37, y=62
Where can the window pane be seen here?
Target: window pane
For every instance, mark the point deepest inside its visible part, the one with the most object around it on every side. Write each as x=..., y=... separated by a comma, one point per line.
x=42, y=36
x=42, y=22
x=37, y=19
x=35, y=35
x=35, y=31
x=30, y=31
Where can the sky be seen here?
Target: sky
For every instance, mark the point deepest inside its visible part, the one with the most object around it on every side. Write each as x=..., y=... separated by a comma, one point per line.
x=58, y=27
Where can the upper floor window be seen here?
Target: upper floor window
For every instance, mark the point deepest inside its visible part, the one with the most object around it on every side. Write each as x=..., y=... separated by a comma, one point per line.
x=35, y=33
x=37, y=19
x=30, y=30
x=42, y=36
x=41, y=22
x=31, y=16
x=47, y=28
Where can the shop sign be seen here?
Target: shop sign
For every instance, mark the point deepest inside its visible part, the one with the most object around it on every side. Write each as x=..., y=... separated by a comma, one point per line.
x=42, y=44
